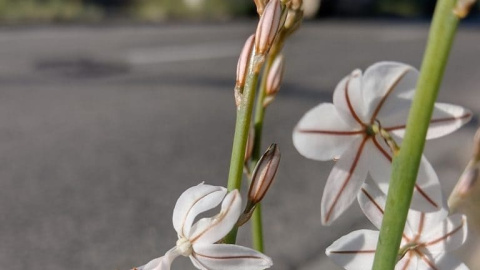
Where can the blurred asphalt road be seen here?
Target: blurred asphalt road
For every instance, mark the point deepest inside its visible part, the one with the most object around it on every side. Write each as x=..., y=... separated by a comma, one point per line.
x=102, y=128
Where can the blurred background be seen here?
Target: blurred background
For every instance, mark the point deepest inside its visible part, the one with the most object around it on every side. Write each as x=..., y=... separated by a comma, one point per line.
x=19, y=11
x=110, y=109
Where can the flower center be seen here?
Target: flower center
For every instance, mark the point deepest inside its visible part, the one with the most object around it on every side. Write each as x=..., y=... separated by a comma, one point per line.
x=184, y=247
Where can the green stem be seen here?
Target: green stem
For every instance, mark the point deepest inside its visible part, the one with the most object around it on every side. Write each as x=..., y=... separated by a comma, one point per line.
x=405, y=165
x=257, y=227
x=244, y=115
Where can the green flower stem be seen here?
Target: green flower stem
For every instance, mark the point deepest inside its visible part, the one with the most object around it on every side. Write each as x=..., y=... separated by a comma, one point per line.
x=242, y=125
x=257, y=227
x=406, y=163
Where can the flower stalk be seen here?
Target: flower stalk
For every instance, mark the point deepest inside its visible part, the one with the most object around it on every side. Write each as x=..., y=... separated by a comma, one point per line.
x=406, y=162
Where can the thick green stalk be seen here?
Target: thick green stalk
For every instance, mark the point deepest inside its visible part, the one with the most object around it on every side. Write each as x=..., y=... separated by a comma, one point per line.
x=405, y=165
x=244, y=116
x=257, y=226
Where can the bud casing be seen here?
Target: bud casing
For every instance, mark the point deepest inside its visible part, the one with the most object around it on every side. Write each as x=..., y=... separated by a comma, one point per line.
x=268, y=26
x=264, y=174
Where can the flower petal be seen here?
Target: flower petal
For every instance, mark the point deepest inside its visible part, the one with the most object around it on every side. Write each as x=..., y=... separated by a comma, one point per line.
x=446, y=236
x=420, y=222
x=229, y=257
x=427, y=196
x=210, y=230
x=408, y=262
x=444, y=261
x=194, y=201
x=372, y=202
x=348, y=100
x=354, y=251
x=446, y=119
x=383, y=80
x=162, y=263
x=321, y=134
x=344, y=181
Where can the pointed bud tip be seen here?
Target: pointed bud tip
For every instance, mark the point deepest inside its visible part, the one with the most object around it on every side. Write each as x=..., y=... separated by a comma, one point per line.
x=275, y=75
x=264, y=174
x=268, y=26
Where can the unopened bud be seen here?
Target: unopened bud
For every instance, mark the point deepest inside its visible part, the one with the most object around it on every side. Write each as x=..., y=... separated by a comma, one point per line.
x=476, y=146
x=243, y=62
x=293, y=21
x=463, y=8
x=275, y=76
x=264, y=174
x=268, y=26
x=464, y=187
x=250, y=142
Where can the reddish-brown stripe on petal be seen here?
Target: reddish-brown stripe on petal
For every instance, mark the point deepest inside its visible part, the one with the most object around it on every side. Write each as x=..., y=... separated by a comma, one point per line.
x=346, y=181
x=217, y=220
x=425, y=196
x=349, y=104
x=421, y=222
x=380, y=148
x=426, y=259
x=196, y=254
x=433, y=242
x=380, y=209
x=330, y=132
x=409, y=260
x=389, y=91
x=439, y=120
x=352, y=251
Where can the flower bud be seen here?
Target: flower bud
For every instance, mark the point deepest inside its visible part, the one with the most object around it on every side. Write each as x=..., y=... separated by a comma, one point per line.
x=250, y=142
x=264, y=174
x=463, y=7
x=275, y=76
x=243, y=61
x=268, y=26
x=476, y=146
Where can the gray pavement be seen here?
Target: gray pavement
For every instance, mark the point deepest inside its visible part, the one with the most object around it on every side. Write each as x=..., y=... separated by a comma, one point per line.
x=102, y=128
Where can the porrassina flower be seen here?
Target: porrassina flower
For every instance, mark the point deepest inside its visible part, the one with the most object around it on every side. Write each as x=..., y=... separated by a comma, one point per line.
x=198, y=240
x=426, y=240
x=362, y=129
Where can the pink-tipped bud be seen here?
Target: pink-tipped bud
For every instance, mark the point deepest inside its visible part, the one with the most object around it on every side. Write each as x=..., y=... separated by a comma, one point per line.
x=243, y=62
x=264, y=174
x=275, y=76
x=476, y=145
x=250, y=142
x=463, y=7
x=268, y=26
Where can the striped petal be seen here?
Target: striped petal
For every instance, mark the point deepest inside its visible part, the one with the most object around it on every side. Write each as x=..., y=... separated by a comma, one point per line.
x=354, y=251
x=408, y=262
x=192, y=202
x=446, y=236
x=372, y=203
x=344, y=181
x=162, y=263
x=321, y=134
x=228, y=257
x=348, y=99
x=445, y=261
x=210, y=230
x=446, y=119
x=384, y=85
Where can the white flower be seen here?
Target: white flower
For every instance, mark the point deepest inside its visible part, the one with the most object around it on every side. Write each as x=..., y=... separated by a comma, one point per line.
x=351, y=128
x=197, y=240
x=426, y=239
